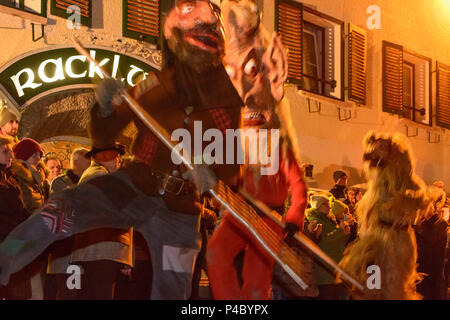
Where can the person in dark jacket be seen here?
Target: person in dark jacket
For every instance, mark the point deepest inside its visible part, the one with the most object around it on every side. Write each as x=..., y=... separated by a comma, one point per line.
x=12, y=213
x=78, y=164
x=339, y=191
x=431, y=236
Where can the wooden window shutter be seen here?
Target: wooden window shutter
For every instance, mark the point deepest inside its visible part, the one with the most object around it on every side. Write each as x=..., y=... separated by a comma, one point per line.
x=357, y=57
x=422, y=88
x=392, y=78
x=443, y=95
x=141, y=19
x=289, y=17
x=329, y=58
x=59, y=8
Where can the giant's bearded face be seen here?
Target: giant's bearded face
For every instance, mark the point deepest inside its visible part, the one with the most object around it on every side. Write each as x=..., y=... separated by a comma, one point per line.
x=194, y=33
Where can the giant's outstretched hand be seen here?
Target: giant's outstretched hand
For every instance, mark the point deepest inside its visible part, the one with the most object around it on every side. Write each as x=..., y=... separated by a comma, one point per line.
x=202, y=177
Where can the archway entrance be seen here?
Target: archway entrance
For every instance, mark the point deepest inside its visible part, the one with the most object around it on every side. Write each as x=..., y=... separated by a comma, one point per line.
x=59, y=122
x=52, y=88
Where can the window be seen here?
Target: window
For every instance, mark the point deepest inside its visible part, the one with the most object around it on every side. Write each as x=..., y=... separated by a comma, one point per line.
x=443, y=95
x=313, y=58
x=406, y=83
x=38, y=7
x=315, y=48
x=59, y=8
x=141, y=19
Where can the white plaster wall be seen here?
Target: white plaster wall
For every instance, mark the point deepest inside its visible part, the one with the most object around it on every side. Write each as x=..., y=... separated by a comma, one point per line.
x=16, y=33
x=421, y=26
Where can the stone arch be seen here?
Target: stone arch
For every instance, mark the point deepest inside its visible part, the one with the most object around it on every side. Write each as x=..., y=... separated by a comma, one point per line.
x=63, y=114
x=61, y=120
x=60, y=114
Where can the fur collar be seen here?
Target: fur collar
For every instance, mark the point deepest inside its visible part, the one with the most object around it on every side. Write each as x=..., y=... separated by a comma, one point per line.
x=20, y=169
x=23, y=171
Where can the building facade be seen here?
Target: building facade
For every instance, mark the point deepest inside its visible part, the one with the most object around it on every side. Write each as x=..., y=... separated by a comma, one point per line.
x=367, y=65
x=354, y=66
x=44, y=79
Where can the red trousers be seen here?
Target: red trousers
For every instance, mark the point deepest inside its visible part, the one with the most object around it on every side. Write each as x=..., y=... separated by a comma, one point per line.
x=227, y=241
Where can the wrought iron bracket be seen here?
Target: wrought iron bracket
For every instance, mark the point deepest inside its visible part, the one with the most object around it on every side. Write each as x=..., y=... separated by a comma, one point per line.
x=412, y=135
x=318, y=104
x=348, y=115
x=437, y=138
x=33, y=33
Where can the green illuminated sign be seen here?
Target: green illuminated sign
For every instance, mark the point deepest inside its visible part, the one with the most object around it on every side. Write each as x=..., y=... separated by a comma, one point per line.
x=36, y=73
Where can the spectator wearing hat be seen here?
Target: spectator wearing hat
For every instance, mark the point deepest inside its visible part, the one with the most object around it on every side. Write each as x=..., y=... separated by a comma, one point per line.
x=30, y=173
x=9, y=123
x=339, y=191
x=343, y=215
x=106, y=253
x=332, y=241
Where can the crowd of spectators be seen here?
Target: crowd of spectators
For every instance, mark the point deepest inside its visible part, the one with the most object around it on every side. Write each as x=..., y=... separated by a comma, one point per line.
x=115, y=264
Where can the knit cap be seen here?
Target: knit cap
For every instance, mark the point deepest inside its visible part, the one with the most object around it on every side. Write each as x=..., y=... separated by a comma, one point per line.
x=336, y=206
x=317, y=201
x=25, y=148
x=6, y=115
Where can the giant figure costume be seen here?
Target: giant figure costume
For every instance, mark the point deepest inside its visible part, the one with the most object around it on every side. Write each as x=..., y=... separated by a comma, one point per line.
x=257, y=66
x=395, y=198
x=147, y=193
